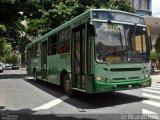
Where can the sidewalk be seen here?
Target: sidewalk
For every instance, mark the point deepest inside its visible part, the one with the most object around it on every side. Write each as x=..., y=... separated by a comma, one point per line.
x=155, y=77
x=23, y=68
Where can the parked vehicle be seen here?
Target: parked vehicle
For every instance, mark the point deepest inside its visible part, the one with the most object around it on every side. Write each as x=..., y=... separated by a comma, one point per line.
x=1, y=67
x=15, y=66
x=8, y=66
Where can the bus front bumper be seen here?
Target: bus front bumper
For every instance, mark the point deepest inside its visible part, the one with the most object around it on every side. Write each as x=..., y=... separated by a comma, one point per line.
x=125, y=85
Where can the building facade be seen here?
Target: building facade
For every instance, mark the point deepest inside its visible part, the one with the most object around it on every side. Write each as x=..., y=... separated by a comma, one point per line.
x=142, y=7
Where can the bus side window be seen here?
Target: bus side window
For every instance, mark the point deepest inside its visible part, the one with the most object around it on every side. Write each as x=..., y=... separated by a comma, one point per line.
x=64, y=41
x=64, y=47
x=52, y=45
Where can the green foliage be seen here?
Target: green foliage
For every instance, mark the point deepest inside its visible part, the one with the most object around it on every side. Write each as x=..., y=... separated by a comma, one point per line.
x=4, y=49
x=123, y=5
x=44, y=15
x=13, y=59
x=48, y=14
x=2, y=28
x=23, y=42
x=6, y=54
x=35, y=26
x=14, y=31
x=59, y=14
x=154, y=56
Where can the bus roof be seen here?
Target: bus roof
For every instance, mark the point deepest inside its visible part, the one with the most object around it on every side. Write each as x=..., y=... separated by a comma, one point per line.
x=76, y=19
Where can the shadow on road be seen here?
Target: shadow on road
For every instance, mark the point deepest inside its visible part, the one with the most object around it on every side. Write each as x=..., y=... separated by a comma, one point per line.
x=49, y=88
x=88, y=101
x=103, y=100
x=28, y=114
x=12, y=76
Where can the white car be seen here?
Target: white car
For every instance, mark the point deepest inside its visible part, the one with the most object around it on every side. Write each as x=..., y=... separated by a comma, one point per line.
x=8, y=66
x=1, y=67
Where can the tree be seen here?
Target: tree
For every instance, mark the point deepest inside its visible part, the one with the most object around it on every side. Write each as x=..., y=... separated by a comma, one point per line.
x=47, y=15
x=36, y=27
x=6, y=54
x=4, y=49
x=123, y=5
x=157, y=45
x=10, y=11
x=44, y=15
x=13, y=58
x=2, y=29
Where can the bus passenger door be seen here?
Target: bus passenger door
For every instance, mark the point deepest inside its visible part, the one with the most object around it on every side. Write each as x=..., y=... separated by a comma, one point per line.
x=44, y=60
x=79, y=57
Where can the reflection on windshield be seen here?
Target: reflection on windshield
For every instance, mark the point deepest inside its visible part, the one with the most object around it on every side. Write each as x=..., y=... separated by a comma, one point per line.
x=120, y=43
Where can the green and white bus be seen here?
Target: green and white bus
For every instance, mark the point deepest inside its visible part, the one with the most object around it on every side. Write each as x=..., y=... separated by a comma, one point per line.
x=98, y=51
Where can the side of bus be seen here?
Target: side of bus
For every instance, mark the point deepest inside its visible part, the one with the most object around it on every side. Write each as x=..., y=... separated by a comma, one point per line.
x=65, y=49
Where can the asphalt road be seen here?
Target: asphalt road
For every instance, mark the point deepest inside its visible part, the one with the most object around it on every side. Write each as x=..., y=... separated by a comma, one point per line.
x=22, y=98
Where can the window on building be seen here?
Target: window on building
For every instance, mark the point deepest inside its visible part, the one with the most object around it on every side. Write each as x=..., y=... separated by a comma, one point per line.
x=132, y=3
x=140, y=4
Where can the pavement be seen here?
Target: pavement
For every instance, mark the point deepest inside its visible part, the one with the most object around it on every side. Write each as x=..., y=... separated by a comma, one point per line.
x=155, y=77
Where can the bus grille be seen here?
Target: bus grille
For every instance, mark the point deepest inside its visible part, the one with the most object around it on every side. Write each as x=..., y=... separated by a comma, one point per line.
x=125, y=69
x=125, y=79
x=119, y=78
x=128, y=86
x=134, y=78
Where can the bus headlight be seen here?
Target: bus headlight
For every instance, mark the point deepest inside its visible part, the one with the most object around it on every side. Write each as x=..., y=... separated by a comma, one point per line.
x=101, y=79
x=146, y=76
x=146, y=72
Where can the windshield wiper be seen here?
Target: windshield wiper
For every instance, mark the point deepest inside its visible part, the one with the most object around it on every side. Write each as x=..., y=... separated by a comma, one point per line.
x=134, y=29
x=120, y=34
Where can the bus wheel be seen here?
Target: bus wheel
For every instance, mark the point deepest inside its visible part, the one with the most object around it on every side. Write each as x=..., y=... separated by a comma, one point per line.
x=67, y=85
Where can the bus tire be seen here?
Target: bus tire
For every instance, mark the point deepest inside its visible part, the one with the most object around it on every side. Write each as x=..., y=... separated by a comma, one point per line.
x=67, y=84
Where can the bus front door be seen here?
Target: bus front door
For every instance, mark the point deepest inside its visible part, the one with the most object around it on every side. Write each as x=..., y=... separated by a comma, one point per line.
x=44, y=60
x=79, y=58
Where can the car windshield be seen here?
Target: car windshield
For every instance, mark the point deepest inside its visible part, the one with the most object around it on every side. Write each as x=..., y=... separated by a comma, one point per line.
x=14, y=65
x=120, y=43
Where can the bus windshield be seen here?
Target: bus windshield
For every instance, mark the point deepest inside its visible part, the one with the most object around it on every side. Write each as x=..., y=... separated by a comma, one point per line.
x=120, y=43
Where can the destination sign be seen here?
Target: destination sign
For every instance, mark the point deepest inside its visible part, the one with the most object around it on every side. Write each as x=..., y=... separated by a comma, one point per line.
x=117, y=16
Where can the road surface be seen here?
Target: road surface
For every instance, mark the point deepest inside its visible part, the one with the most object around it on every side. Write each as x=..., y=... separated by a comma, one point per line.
x=22, y=98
